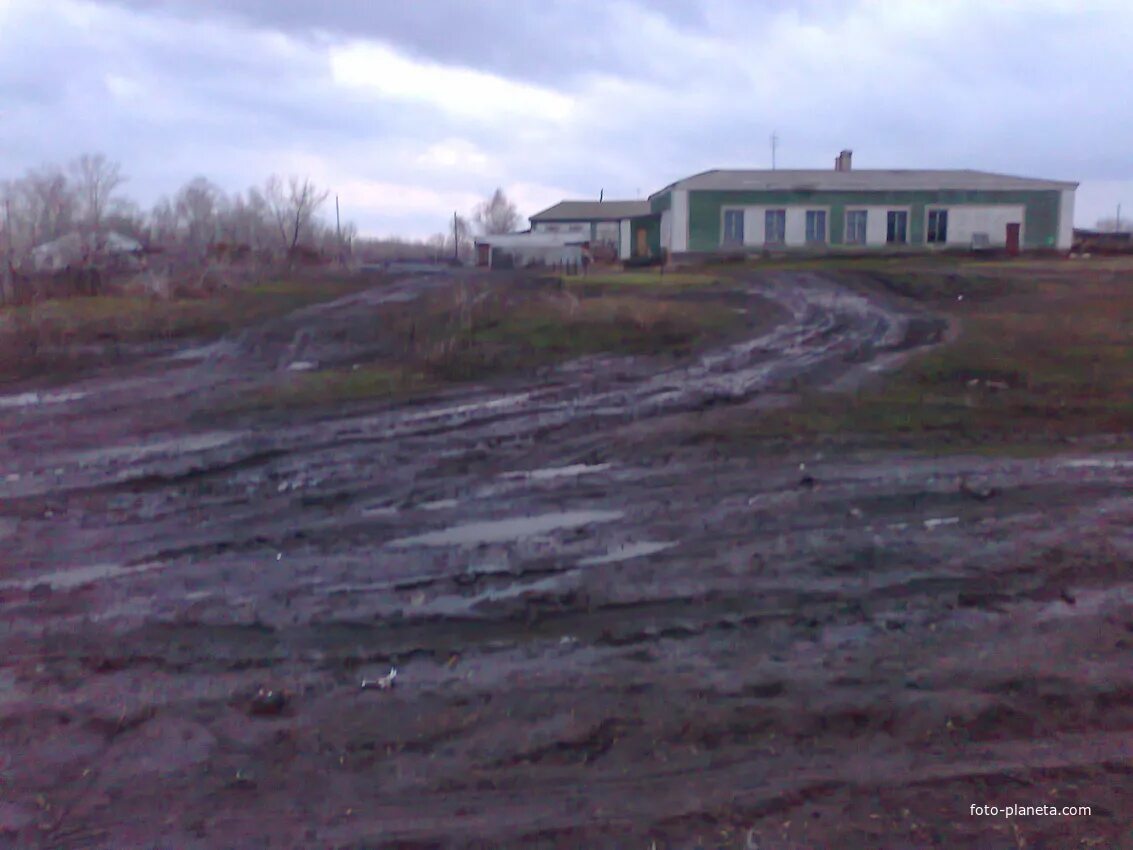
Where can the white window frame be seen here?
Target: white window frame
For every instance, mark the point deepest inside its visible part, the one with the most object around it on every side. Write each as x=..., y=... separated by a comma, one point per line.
x=780, y=213
x=927, y=213
x=825, y=225
x=908, y=223
x=723, y=230
x=846, y=226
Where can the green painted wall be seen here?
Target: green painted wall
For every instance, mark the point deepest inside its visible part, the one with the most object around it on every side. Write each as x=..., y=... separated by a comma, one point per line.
x=661, y=202
x=705, y=218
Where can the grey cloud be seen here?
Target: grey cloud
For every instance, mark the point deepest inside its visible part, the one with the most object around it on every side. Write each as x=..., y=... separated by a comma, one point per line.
x=231, y=93
x=549, y=42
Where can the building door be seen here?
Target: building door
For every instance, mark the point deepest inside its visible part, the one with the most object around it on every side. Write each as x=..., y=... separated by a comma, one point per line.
x=1013, y=238
x=733, y=227
x=641, y=243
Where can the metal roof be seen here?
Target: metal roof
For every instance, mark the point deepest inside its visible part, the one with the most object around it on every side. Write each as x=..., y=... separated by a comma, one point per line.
x=593, y=211
x=861, y=180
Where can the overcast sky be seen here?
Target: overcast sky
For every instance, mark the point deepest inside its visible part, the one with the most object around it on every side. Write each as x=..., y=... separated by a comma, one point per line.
x=411, y=109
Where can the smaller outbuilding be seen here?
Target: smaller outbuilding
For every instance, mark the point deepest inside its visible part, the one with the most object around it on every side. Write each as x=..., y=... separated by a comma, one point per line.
x=615, y=230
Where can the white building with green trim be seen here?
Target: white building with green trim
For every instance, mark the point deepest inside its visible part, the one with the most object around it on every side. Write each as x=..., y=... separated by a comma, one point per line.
x=864, y=209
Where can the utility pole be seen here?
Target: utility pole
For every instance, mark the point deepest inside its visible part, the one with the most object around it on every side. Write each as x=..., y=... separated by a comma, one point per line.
x=455, y=239
x=7, y=278
x=774, y=146
x=1117, y=227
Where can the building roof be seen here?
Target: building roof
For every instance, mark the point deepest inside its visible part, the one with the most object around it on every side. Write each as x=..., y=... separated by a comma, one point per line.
x=827, y=180
x=593, y=211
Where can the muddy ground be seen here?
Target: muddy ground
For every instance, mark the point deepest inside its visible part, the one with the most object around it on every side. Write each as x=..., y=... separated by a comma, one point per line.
x=603, y=635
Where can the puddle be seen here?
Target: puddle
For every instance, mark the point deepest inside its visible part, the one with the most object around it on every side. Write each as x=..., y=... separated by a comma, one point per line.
x=456, y=410
x=454, y=606
x=551, y=472
x=78, y=576
x=624, y=553
x=380, y=510
x=141, y=451
x=439, y=505
x=504, y=530
x=1090, y=463
x=33, y=399
x=937, y=523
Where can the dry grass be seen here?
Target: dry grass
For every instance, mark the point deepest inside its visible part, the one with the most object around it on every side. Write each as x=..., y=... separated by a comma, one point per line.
x=331, y=388
x=63, y=337
x=500, y=335
x=654, y=277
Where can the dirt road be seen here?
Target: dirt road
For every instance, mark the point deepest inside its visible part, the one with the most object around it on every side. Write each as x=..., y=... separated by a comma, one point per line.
x=602, y=637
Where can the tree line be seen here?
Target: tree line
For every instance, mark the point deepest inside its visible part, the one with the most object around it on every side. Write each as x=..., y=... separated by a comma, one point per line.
x=86, y=196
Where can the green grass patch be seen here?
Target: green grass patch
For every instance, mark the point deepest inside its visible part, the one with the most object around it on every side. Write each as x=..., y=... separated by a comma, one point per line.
x=331, y=388
x=511, y=338
x=642, y=278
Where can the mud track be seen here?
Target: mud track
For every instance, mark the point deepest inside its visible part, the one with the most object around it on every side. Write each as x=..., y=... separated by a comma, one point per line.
x=594, y=647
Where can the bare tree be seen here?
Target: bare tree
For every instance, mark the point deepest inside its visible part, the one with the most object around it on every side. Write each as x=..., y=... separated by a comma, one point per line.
x=50, y=204
x=163, y=223
x=497, y=215
x=199, y=206
x=96, y=179
x=293, y=207
x=1113, y=225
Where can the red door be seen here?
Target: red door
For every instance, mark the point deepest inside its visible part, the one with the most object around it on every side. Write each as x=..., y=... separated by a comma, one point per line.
x=1013, y=239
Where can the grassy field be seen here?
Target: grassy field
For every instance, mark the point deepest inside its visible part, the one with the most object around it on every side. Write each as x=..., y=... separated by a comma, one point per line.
x=296, y=391
x=1044, y=355
x=484, y=332
x=61, y=337
x=508, y=337
x=646, y=278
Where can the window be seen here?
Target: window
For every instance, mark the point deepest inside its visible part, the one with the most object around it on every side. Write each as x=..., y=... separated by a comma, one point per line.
x=816, y=225
x=937, y=226
x=733, y=227
x=897, y=227
x=775, y=227
x=855, y=227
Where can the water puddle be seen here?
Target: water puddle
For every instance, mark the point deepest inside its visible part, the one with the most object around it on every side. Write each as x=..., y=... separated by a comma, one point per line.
x=380, y=510
x=455, y=606
x=930, y=524
x=33, y=399
x=439, y=505
x=1097, y=463
x=142, y=451
x=502, y=402
x=552, y=472
x=78, y=576
x=505, y=530
x=624, y=553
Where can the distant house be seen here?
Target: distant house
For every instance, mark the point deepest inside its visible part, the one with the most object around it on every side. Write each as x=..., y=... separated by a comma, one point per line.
x=608, y=226
x=74, y=249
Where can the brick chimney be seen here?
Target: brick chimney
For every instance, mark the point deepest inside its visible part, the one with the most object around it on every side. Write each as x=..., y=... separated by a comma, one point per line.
x=842, y=163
